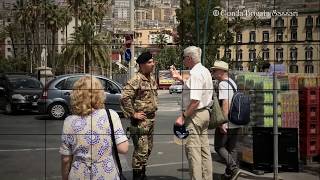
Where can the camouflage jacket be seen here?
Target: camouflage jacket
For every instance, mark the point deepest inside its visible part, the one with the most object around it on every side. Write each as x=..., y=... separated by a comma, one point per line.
x=139, y=94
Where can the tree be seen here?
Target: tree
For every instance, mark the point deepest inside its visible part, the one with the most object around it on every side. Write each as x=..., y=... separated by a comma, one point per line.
x=33, y=12
x=187, y=27
x=161, y=40
x=55, y=18
x=74, y=6
x=85, y=45
x=169, y=56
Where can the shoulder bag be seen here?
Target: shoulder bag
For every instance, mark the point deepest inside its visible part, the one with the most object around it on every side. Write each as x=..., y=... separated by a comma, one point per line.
x=114, y=146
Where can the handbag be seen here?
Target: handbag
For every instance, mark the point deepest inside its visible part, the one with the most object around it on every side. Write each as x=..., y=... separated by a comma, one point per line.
x=216, y=116
x=114, y=146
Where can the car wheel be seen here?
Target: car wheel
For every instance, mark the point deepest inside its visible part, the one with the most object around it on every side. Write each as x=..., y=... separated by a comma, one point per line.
x=58, y=111
x=9, y=109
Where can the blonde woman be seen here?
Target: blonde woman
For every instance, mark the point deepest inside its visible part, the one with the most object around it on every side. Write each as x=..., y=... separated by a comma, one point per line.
x=86, y=147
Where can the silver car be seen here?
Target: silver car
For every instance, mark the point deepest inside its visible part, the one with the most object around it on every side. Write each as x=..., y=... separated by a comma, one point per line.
x=176, y=87
x=55, y=99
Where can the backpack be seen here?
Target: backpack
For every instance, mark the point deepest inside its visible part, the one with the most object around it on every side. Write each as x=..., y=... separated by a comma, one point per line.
x=239, y=112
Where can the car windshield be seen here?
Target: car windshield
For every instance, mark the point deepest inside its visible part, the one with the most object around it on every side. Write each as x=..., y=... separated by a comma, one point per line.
x=24, y=83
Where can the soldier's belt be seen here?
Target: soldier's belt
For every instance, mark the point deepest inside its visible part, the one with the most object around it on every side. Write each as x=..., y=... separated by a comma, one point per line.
x=137, y=131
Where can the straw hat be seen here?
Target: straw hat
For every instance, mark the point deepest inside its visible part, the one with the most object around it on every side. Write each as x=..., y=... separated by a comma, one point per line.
x=220, y=65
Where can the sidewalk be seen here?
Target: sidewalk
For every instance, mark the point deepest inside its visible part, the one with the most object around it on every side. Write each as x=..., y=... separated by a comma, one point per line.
x=311, y=172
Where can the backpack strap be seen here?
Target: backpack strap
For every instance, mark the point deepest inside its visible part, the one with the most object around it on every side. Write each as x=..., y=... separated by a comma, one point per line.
x=234, y=89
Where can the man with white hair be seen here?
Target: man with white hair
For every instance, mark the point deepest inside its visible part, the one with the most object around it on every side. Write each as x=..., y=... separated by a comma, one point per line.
x=196, y=99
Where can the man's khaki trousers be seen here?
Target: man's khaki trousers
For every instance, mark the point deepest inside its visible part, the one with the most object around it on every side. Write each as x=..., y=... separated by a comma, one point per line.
x=197, y=146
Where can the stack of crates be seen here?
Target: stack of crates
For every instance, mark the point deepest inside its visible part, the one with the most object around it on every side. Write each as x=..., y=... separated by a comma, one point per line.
x=290, y=109
x=309, y=122
x=318, y=132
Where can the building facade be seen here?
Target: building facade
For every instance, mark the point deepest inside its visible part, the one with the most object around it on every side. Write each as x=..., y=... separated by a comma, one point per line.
x=291, y=40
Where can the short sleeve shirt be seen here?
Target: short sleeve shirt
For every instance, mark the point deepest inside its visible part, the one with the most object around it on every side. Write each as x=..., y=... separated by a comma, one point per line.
x=226, y=92
x=88, y=139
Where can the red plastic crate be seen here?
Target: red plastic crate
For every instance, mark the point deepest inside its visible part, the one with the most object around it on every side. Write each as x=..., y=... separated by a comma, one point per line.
x=308, y=96
x=309, y=128
x=309, y=146
x=309, y=113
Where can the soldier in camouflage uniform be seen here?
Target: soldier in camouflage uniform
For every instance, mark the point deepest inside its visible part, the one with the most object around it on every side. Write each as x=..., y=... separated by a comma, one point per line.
x=139, y=103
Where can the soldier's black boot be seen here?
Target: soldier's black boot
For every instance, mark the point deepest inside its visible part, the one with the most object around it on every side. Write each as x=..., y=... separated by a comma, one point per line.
x=137, y=174
x=144, y=176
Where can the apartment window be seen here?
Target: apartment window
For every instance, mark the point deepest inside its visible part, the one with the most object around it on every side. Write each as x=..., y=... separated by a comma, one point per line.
x=239, y=55
x=309, y=34
x=309, y=21
x=265, y=37
x=293, y=54
x=279, y=22
x=218, y=54
x=265, y=54
x=279, y=36
x=239, y=38
x=308, y=69
x=309, y=54
x=228, y=54
x=293, y=22
x=294, y=35
x=252, y=55
x=279, y=54
x=318, y=21
x=252, y=37
x=9, y=49
x=293, y=68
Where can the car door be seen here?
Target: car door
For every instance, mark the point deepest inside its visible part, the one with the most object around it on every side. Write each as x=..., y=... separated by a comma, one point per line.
x=3, y=96
x=67, y=88
x=113, y=94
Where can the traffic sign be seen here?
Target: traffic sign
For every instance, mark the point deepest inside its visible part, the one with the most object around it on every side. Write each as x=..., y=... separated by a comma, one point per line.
x=127, y=54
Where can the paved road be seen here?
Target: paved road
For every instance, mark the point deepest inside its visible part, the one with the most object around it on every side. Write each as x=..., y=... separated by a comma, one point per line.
x=29, y=148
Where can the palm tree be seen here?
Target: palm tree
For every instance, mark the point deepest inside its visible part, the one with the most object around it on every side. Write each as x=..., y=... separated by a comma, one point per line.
x=74, y=6
x=86, y=47
x=21, y=19
x=33, y=11
x=161, y=40
x=55, y=18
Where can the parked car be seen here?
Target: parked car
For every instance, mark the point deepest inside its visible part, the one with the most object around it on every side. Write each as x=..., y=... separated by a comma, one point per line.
x=55, y=99
x=176, y=87
x=19, y=92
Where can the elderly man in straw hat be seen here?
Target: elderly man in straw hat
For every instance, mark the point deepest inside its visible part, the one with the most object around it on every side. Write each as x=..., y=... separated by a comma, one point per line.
x=226, y=136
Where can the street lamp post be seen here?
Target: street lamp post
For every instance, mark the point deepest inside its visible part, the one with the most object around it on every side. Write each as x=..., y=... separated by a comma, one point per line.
x=132, y=63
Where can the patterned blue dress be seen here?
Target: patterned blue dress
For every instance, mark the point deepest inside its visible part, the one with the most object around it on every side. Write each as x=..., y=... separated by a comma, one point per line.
x=88, y=139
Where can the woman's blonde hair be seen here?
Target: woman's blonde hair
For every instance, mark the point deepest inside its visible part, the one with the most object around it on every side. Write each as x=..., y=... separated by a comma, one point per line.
x=87, y=95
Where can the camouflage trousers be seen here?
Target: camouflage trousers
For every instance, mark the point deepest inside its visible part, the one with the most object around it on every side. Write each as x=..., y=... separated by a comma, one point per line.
x=143, y=143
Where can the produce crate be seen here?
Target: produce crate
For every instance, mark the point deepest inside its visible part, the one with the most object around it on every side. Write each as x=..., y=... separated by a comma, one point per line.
x=309, y=128
x=309, y=146
x=308, y=112
x=293, y=82
x=308, y=96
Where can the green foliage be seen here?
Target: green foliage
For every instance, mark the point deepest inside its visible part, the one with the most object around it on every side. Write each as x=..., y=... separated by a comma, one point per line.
x=169, y=56
x=161, y=40
x=95, y=47
x=217, y=26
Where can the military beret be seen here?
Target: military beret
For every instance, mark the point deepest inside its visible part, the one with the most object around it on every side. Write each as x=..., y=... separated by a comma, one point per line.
x=144, y=57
